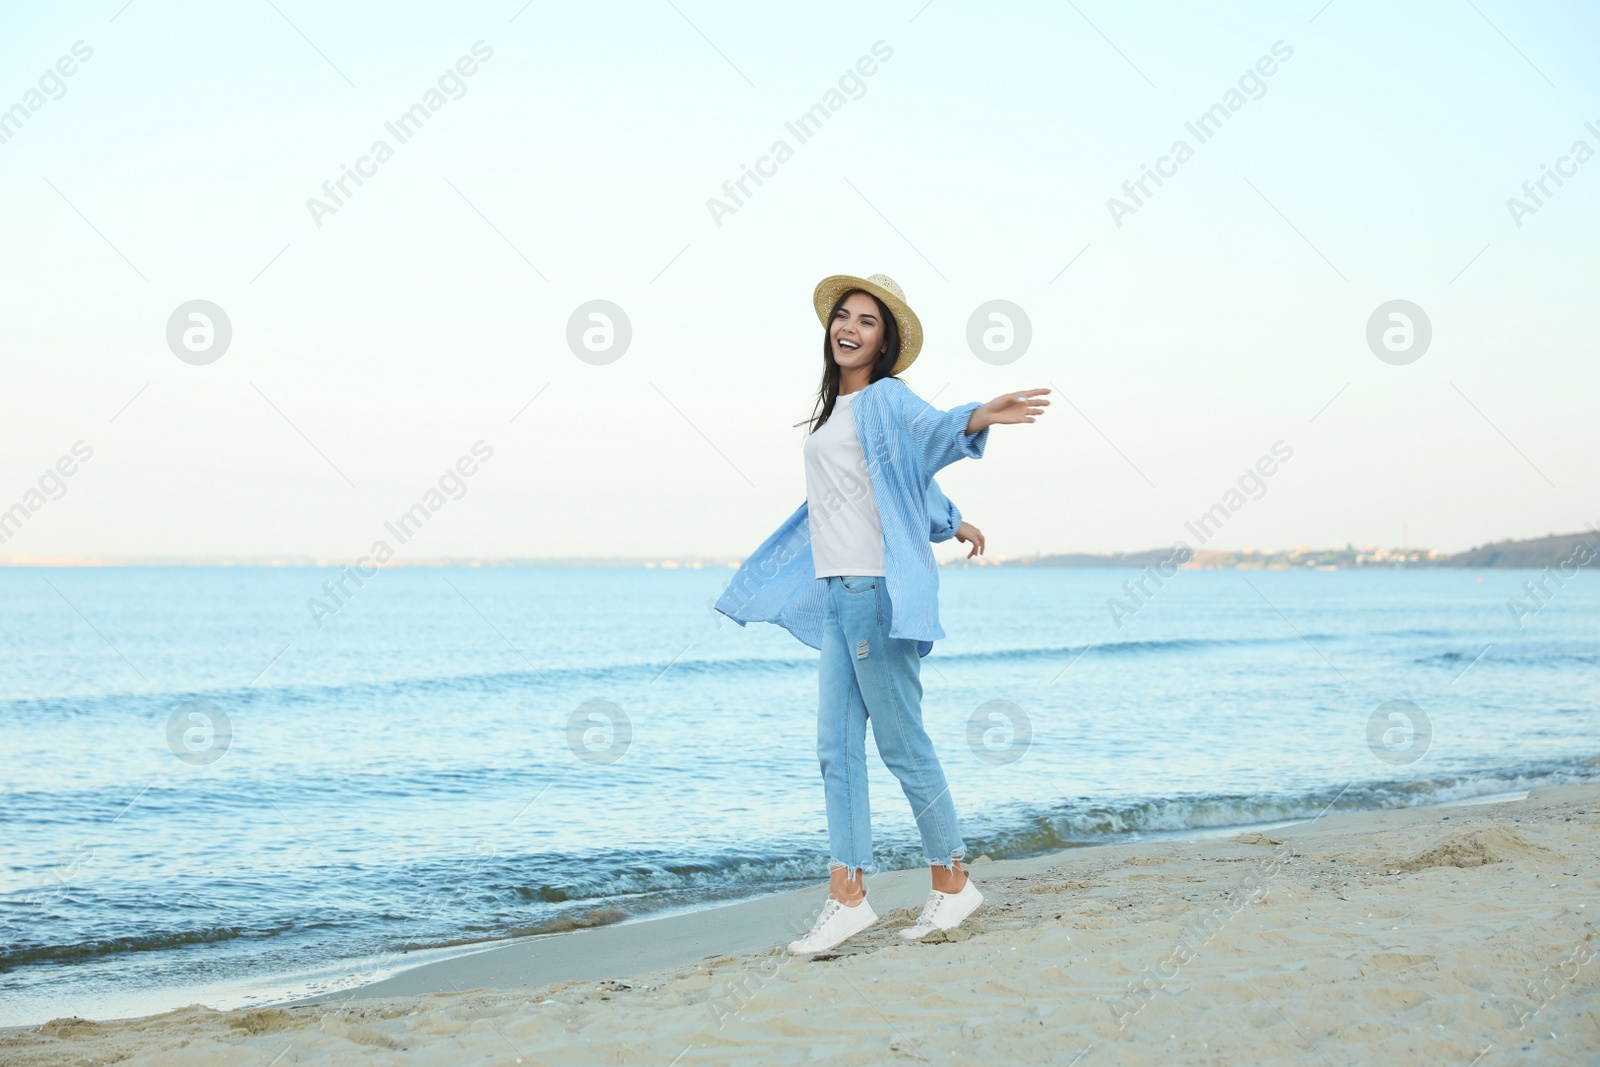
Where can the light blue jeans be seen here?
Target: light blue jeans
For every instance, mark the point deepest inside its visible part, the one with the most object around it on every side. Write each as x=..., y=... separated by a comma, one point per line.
x=867, y=675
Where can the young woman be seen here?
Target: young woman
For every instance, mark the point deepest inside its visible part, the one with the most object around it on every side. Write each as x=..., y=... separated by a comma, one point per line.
x=850, y=573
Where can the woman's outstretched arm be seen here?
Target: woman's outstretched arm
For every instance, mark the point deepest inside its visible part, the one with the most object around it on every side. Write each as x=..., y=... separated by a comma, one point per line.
x=942, y=437
x=1024, y=406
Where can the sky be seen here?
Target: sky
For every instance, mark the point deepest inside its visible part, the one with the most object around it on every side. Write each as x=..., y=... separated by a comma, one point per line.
x=385, y=339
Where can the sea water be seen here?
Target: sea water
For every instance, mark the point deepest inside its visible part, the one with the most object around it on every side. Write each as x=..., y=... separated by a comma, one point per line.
x=215, y=791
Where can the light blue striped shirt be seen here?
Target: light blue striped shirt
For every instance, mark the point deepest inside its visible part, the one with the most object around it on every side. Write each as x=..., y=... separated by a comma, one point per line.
x=905, y=441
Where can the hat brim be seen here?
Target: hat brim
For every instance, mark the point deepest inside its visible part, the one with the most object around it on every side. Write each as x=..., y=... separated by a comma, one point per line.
x=831, y=288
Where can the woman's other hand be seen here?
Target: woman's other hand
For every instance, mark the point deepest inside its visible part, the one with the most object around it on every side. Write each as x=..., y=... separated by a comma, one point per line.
x=969, y=534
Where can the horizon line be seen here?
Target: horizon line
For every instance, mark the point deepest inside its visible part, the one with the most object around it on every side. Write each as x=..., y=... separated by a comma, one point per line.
x=691, y=562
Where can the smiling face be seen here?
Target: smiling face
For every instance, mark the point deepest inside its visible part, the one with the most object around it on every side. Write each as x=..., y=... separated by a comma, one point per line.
x=857, y=332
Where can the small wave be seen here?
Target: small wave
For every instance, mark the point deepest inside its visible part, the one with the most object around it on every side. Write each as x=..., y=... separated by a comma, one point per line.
x=564, y=679
x=13, y=956
x=1543, y=657
x=1103, y=823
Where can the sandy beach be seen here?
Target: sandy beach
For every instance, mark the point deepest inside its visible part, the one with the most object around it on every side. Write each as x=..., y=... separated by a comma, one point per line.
x=1461, y=934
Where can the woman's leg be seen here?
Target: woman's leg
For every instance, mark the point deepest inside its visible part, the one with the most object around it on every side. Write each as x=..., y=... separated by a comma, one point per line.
x=889, y=677
x=842, y=752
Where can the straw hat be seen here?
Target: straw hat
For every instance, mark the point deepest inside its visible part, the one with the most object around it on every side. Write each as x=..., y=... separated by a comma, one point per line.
x=885, y=288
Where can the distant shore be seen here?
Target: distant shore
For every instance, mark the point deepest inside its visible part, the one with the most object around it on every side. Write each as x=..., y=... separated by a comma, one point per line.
x=1566, y=552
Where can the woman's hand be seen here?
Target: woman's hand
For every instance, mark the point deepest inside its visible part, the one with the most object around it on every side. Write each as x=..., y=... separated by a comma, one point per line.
x=967, y=533
x=1023, y=406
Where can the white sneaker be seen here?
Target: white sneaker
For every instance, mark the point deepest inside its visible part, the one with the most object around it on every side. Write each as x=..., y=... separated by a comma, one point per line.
x=944, y=911
x=837, y=922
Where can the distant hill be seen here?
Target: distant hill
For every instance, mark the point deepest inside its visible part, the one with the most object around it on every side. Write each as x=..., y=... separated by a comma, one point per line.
x=1578, y=548
x=1552, y=551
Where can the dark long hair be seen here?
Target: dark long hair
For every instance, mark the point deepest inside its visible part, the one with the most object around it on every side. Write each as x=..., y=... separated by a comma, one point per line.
x=828, y=393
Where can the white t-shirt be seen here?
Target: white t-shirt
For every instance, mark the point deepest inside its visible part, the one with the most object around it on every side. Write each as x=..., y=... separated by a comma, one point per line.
x=846, y=534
